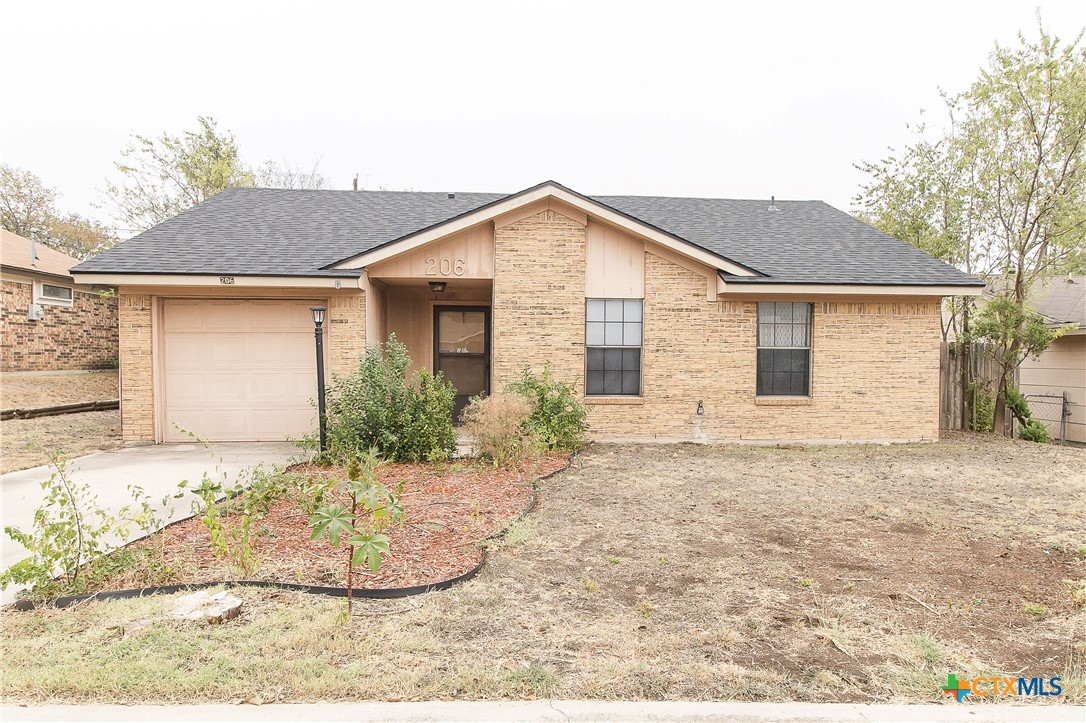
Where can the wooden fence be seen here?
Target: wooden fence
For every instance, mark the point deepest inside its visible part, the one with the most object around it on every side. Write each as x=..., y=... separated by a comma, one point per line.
x=984, y=371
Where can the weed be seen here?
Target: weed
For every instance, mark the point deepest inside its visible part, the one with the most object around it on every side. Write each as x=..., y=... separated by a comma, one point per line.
x=1035, y=608
x=589, y=584
x=644, y=608
x=614, y=559
x=804, y=581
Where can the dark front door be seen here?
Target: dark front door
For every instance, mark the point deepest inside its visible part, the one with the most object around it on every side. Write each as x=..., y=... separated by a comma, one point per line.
x=462, y=350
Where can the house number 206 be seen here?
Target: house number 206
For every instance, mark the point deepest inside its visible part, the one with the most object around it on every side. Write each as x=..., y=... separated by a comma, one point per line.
x=444, y=266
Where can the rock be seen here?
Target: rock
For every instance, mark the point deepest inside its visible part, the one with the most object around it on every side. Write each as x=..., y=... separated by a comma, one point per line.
x=135, y=626
x=202, y=605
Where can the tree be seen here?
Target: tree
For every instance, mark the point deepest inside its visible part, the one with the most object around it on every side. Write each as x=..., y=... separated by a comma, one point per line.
x=161, y=177
x=283, y=175
x=1002, y=192
x=28, y=208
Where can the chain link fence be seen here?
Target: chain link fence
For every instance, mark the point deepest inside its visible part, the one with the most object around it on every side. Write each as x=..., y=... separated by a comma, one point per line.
x=1054, y=410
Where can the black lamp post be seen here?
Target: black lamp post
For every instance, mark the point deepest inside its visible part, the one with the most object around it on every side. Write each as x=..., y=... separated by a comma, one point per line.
x=318, y=332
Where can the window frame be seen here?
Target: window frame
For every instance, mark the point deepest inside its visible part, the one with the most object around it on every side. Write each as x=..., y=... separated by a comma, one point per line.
x=604, y=346
x=41, y=298
x=809, y=348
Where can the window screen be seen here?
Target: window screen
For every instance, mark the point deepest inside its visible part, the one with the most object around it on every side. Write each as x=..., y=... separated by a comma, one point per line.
x=613, y=346
x=784, y=348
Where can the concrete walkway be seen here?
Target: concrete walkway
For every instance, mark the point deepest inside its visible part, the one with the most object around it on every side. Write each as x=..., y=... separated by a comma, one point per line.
x=545, y=710
x=157, y=469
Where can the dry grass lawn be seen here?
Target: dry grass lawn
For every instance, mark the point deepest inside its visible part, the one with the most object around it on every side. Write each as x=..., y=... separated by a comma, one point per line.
x=661, y=572
x=28, y=391
x=74, y=434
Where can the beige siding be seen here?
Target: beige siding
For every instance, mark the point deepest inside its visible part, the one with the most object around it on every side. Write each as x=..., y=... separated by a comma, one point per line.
x=467, y=255
x=1062, y=367
x=615, y=264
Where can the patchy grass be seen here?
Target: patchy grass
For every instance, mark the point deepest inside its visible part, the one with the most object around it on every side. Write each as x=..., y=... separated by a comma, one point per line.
x=934, y=583
x=21, y=440
x=29, y=391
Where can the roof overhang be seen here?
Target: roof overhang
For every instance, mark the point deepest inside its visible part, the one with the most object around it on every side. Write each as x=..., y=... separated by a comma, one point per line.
x=751, y=287
x=31, y=271
x=545, y=190
x=225, y=280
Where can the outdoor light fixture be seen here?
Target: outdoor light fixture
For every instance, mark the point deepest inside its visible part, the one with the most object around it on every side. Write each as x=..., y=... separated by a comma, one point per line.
x=318, y=332
x=438, y=286
x=701, y=408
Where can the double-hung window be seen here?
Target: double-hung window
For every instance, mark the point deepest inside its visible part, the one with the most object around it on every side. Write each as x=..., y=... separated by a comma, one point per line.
x=784, y=349
x=613, y=347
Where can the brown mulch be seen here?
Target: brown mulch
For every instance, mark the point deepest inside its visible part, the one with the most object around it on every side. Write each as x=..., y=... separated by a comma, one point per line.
x=450, y=510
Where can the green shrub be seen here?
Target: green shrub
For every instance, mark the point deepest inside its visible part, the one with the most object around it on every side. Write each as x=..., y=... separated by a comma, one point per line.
x=1017, y=404
x=499, y=427
x=983, y=408
x=378, y=407
x=1034, y=431
x=559, y=420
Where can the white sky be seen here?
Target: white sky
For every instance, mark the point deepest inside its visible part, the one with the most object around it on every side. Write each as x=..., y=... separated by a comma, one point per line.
x=661, y=98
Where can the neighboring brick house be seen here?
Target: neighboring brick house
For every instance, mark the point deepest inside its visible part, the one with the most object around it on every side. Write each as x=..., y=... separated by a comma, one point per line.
x=677, y=318
x=51, y=322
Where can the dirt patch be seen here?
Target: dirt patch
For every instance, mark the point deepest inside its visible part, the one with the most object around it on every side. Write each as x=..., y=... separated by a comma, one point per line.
x=73, y=434
x=449, y=511
x=862, y=573
x=29, y=391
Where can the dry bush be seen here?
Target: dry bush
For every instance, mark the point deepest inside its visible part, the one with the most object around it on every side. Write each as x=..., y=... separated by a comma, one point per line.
x=498, y=425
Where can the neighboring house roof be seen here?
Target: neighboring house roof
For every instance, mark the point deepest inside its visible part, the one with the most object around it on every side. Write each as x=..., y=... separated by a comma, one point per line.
x=1061, y=299
x=274, y=232
x=17, y=255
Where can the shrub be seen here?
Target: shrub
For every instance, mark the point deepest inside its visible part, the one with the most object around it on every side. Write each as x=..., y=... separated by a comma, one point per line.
x=983, y=408
x=378, y=408
x=500, y=427
x=559, y=420
x=1034, y=431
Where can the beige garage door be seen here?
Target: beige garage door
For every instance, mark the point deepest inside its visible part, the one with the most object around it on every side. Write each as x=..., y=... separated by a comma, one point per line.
x=238, y=370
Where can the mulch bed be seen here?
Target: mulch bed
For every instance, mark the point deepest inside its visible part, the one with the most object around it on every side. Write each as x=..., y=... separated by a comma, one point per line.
x=449, y=512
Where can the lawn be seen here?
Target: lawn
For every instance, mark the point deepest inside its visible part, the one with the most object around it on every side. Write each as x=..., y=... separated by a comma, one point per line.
x=75, y=434
x=856, y=573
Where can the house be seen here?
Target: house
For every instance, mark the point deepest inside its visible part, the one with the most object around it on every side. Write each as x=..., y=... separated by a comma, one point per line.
x=50, y=321
x=677, y=318
x=1061, y=368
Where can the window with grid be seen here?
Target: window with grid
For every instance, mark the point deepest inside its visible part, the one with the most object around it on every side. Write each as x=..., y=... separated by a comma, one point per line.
x=613, y=347
x=784, y=349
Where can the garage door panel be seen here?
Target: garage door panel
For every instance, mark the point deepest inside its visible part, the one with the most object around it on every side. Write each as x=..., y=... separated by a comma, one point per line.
x=238, y=370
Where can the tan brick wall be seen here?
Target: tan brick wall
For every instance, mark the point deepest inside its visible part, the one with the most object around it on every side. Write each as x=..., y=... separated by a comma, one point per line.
x=80, y=336
x=346, y=337
x=875, y=369
x=539, y=301
x=137, y=368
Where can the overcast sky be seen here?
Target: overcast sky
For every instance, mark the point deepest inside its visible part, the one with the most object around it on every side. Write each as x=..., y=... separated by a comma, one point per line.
x=742, y=100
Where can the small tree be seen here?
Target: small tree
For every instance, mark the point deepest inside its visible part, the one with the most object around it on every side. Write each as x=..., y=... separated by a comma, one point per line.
x=370, y=509
x=1013, y=334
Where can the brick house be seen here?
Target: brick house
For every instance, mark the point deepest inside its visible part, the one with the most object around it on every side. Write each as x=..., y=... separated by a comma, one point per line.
x=51, y=322
x=677, y=318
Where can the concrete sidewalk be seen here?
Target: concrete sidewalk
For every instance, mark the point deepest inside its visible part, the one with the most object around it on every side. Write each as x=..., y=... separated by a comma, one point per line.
x=547, y=710
x=157, y=469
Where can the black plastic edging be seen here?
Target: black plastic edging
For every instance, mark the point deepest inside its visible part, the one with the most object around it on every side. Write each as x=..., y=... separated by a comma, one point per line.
x=367, y=593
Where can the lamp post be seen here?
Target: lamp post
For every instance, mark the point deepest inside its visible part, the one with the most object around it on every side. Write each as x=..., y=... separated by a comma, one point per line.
x=318, y=332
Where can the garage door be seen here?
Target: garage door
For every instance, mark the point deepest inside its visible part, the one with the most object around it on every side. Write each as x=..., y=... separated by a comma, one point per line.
x=238, y=370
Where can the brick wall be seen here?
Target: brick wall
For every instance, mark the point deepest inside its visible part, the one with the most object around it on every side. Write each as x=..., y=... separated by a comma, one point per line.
x=539, y=282
x=137, y=368
x=82, y=336
x=346, y=332
x=874, y=374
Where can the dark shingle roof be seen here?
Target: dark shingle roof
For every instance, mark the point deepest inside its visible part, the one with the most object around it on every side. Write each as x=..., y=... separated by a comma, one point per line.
x=274, y=232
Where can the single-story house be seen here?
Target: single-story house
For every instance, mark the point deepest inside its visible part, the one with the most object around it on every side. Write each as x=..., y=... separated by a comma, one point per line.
x=1061, y=368
x=676, y=318
x=50, y=321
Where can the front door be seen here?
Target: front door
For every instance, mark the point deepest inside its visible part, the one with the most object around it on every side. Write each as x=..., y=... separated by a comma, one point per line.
x=462, y=350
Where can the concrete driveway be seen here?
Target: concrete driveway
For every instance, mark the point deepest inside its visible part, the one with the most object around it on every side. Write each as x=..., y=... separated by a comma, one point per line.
x=157, y=469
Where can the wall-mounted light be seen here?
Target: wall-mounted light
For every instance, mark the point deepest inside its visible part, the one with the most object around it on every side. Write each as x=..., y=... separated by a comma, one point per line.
x=438, y=286
x=701, y=408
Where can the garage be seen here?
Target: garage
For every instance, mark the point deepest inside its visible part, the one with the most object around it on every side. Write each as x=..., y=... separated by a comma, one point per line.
x=237, y=370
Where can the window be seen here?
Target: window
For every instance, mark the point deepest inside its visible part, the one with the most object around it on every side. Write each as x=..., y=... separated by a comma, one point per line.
x=52, y=294
x=613, y=346
x=784, y=349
